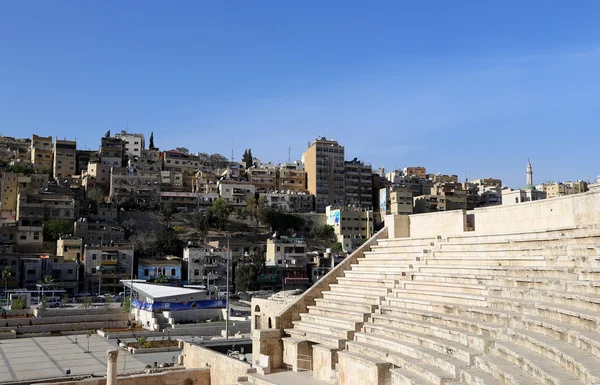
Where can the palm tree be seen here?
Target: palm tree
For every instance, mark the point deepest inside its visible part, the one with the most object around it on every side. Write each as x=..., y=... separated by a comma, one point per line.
x=6, y=273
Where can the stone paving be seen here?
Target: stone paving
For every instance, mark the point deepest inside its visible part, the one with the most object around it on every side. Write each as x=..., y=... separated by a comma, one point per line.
x=44, y=357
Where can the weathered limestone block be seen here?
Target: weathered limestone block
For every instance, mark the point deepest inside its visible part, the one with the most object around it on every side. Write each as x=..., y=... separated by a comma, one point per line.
x=324, y=361
x=268, y=342
x=357, y=369
x=297, y=354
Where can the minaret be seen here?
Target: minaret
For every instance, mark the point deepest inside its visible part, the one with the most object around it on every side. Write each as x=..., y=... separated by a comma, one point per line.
x=529, y=173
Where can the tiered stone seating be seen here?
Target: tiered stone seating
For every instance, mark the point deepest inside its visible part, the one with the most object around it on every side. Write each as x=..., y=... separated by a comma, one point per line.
x=507, y=309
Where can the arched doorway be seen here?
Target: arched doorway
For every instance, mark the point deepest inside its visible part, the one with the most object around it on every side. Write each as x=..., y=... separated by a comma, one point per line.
x=257, y=319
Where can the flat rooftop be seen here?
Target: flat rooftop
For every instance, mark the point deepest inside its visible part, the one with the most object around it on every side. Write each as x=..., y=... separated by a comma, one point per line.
x=47, y=357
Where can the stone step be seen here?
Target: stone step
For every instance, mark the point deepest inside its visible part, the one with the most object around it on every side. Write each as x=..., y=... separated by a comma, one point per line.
x=407, y=242
x=488, y=261
x=579, y=337
x=475, y=376
x=503, y=371
x=418, y=367
x=400, y=376
x=445, y=287
x=520, y=252
x=539, y=368
x=364, y=308
x=351, y=297
x=381, y=258
x=329, y=311
x=440, y=296
x=579, y=362
x=433, y=342
x=366, y=282
x=580, y=301
x=474, y=340
x=350, y=289
x=336, y=322
x=375, y=275
x=536, y=272
x=316, y=337
x=395, y=268
x=334, y=331
x=452, y=278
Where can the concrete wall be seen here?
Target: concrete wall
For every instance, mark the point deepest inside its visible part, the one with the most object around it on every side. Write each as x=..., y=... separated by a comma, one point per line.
x=224, y=370
x=193, y=315
x=568, y=211
x=213, y=329
x=398, y=225
x=264, y=309
x=170, y=377
x=63, y=319
x=434, y=224
x=65, y=312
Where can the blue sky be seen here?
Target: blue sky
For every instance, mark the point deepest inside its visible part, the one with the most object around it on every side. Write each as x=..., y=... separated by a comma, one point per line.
x=472, y=88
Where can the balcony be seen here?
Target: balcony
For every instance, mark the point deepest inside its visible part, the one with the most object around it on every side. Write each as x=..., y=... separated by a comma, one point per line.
x=109, y=262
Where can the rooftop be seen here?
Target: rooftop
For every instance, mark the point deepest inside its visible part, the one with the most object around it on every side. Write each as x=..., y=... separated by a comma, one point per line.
x=157, y=292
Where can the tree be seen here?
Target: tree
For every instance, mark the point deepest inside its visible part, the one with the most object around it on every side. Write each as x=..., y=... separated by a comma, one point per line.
x=168, y=211
x=65, y=300
x=323, y=232
x=182, y=149
x=87, y=302
x=151, y=147
x=6, y=273
x=143, y=243
x=247, y=158
x=88, y=335
x=337, y=246
x=44, y=303
x=53, y=228
x=161, y=279
x=107, y=302
x=107, y=135
x=166, y=242
x=218, y=161
x=219, y=214
x=248, y=270
x=18, y=303
x=126, y=305
x=200, y=222
x=96, y=195
x=255, y=207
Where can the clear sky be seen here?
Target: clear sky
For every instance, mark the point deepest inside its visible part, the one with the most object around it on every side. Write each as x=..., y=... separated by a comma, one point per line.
x=471, y=88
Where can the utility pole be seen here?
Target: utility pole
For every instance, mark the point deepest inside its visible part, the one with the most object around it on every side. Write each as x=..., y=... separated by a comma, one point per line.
x=227, y=298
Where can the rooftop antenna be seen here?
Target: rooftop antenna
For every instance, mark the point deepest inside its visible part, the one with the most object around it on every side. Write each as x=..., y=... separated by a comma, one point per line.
x=232, y=141
x=290, y=154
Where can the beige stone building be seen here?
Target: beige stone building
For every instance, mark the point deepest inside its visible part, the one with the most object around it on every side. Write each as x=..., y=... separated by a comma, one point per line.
x=236, y=193
x=443, y=178
x=41, y=153
x=134, y=185
x=97, y=175
x=112, y=151
x=263, y=178
x=284, y=252
x=134, y=143
x=70, y=248
x=106, y=266
x=148, y=160
x=178, y=161
x=65, y=157
x=401, y=201
x=418, y=171
x=352, y=225
x=324, y=165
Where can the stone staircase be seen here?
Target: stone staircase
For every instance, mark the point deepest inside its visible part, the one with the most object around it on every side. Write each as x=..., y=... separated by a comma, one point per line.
x=509, y=309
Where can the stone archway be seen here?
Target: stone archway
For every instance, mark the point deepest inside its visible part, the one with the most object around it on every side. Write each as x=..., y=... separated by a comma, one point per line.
x=257, y=318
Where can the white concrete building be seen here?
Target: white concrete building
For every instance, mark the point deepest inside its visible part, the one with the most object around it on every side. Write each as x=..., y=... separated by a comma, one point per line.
x=134, y=143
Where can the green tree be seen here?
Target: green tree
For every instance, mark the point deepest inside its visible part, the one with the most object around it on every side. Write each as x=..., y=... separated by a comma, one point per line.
x=323, y=232
x=107, y=302
x=126, y=305
x=337, y=246
x=218, y=161
x=53, y=228
x=18, y=303
x=143, y=244
x=44, y=303
x=6, y=273
x=248, y=270
x=96, y=195
x=255, y=207
x=168, y=211
x=161, y=279
x=166, y=242
x=199, y=220
x=247, y=158
x=182, y=149
x=151, y=147
x=219, y=214
x=20, y=168
x=65, y=300
x=107, y=135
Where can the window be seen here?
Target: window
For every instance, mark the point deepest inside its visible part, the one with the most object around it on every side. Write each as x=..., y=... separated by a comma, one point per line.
x=196, y=272
x=69, y=271
x=31, y=272
x=146, y=272
x=173, y=273
x=93, y=257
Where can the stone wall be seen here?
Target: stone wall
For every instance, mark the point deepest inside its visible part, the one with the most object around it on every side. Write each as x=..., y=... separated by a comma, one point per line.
x=224, y=370
x=170, y=377
x=192, y=315
x=568, y=211
x=263, y=310
x=434, y=224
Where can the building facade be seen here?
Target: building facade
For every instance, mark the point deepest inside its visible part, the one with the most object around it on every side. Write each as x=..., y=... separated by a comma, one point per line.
x=358, y=184
x=65, y=157
x=41, y=153
x=105, y=266
x=134, y=143
x=352, y=225
x=324, y=165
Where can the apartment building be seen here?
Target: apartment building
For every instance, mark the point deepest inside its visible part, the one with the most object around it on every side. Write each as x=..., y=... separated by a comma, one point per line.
x=41, y=153
x=292, y=178
x=205, y=182
x=418, y=171
x=352, y=225
x=206, y=265
x=10, y=192
x=442, y=197
x=399, y=201
x=98, y=232
x=69, y=248
x=112, y=151
x=148, y=160
x=65, y=157
x=324, y=165
x=105, y=266
x=263, y=178
x=288, y=258
x=289, y=202
x=133, y=185
x=441, y=178
x=358, y=184
x=168, y=268
x=236, y=193
x=97, y=175
x=174, y=160
x=64, y=274
x=134, y=143
x=171, y=178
